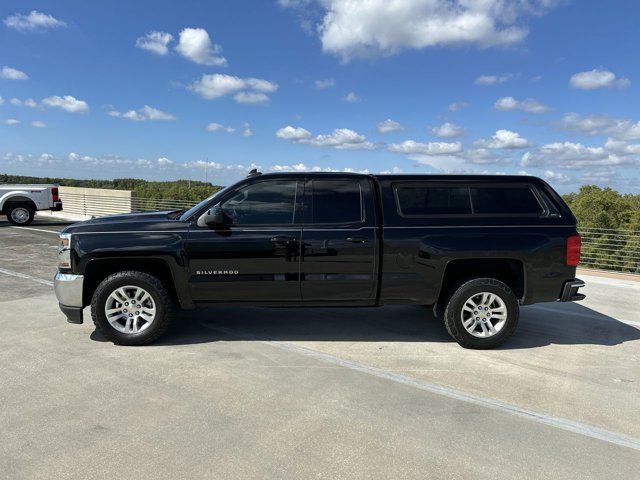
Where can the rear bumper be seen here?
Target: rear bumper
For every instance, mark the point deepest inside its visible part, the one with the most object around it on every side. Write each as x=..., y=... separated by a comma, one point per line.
x=57, y=207
x=570, y=291
x=68, y=288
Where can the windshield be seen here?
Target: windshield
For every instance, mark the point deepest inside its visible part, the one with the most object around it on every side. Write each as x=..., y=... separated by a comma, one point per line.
x=198, y=206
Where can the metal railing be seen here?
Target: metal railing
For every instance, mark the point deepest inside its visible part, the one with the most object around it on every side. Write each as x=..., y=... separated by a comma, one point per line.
x=99, y=206
x=611, y=249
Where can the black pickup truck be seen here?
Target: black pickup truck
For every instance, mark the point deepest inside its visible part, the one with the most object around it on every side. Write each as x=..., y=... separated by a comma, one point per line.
x=474, y=248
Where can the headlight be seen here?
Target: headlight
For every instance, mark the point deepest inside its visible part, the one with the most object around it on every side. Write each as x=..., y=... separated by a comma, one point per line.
x=64, y=251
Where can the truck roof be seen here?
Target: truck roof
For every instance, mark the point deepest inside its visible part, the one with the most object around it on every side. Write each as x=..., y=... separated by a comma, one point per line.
x=423, y=176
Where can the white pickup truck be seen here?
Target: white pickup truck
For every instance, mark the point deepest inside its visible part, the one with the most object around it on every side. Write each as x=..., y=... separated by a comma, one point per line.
x=20, y=202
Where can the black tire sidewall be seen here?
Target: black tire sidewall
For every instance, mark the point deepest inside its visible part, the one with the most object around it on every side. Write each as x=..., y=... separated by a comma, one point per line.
x=129, y=279
x=29, y=208
x=457, y=300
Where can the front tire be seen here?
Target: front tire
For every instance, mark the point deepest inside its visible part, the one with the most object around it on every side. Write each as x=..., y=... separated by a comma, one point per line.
x=132, y=308
x=481, y=313
x=20, y=214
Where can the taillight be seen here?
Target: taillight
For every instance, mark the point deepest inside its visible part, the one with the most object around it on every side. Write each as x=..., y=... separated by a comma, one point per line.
x=574, y=243
x=54, y=194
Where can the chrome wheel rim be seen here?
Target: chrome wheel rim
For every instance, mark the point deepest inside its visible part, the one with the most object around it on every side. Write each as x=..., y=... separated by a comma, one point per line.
x=130, y=309
x=484, y=314
x=20, y=215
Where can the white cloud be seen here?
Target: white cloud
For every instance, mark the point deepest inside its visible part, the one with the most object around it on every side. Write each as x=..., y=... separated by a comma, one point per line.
x=155, y=114
x=556, y=177
x=601, y=175
x=156, y=42
x=388, y=126
x=11, y=121
x=1, y=100
x=293, y=133
x=33, y=21
x=447, y=130
x=245, y=90
x=67, y=103
x=132, y=115
x=38, y=124
x=340, y=138
x=529, y=105
x=29, y=102
x=293, y=3
x=601, y=125
x=592, y=79
x=393, y=171
x=301, y=167
x=142, y=114
x=9, y=73
x=217, y=127
x=353, y=28
x=164, y=162
x=326, y=83
x=195, y=44
x=457, y=106
x=411, y=147
x=485, y=156
x=247, y=131
x=573, y=155
x=504, y=139
x=351, y=97
x=492, y=79
x=251, y=97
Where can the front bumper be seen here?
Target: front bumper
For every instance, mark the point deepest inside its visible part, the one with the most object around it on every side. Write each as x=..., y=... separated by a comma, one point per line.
x=57, y=207
x=570, y=291
x=68, y=288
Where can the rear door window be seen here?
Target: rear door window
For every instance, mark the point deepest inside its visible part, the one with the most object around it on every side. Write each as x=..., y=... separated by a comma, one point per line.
x=504, y=200
x=421, y=200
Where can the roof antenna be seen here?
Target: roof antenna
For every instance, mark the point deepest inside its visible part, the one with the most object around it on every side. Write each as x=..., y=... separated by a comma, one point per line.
x=254, y=173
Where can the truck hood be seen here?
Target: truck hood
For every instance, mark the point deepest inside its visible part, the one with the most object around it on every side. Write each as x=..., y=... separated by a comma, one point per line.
x=130, y=222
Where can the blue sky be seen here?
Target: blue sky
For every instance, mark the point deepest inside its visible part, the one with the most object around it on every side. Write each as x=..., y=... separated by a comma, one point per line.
x=157, y=89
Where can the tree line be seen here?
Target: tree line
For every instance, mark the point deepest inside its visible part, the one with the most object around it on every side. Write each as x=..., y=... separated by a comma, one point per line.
x=183, y=190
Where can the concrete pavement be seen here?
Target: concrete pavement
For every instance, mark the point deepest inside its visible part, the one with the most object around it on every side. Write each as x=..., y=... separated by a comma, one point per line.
x=323, y=393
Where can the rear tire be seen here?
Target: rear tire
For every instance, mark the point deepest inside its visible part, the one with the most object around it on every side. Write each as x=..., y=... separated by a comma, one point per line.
x=20, y=214
x=481, y=313
x=132, y=308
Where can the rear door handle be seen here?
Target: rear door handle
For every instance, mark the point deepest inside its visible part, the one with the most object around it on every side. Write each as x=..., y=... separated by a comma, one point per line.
x=356, y=239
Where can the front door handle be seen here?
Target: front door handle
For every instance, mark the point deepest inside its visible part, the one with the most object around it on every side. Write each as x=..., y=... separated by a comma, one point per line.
x=356, y=239
x=282, y=239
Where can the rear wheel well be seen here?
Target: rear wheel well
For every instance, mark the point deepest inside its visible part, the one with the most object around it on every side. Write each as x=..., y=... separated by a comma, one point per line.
x=97, y=270
x=507, y=270
x=26, y=201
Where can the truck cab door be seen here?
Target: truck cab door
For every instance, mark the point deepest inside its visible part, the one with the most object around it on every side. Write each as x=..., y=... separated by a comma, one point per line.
x=254, y=256
x=339, y=242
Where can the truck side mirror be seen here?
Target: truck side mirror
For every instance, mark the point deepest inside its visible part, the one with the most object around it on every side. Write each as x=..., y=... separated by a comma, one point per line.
x=212, y=218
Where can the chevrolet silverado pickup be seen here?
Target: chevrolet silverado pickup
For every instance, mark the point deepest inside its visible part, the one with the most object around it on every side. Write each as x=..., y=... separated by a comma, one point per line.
x=474, y=248
x=20, y=202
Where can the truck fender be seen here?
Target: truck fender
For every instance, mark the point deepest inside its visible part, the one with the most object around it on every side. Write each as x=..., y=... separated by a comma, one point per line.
x=21, y=195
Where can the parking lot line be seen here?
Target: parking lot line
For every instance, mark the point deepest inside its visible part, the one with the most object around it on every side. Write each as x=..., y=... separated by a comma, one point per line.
x=27, y=277
x=37, y=230
x=572, y=426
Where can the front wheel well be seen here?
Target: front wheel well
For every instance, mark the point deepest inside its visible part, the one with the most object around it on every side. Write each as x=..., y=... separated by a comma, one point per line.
x=97, y=270
x=508, y=270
